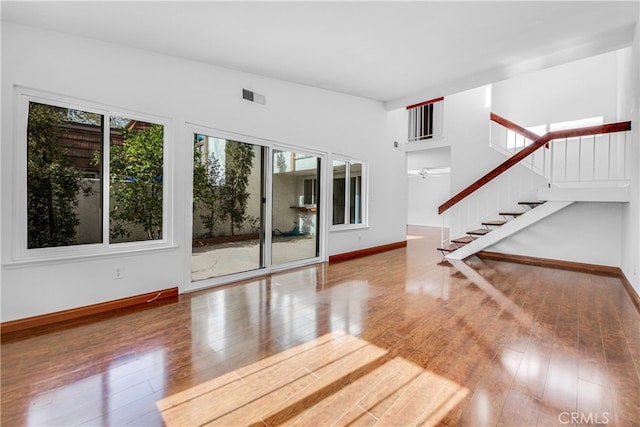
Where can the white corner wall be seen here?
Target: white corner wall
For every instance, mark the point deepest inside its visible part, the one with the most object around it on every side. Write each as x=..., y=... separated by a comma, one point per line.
x=182, y=91
x=466, y=130
x=630, y=262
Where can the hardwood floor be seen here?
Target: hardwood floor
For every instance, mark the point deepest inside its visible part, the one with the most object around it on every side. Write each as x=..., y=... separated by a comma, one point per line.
x=396, y=338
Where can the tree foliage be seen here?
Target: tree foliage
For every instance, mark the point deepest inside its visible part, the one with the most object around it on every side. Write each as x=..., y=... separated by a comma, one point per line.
x=281, y=162
x=238, y=163
x=222, y=195
x=207, y=190
x=53, y=184
x=136, y=175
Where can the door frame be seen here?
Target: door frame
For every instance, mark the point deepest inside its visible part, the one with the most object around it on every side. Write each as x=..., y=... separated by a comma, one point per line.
x=269, y=147
x=322, y=203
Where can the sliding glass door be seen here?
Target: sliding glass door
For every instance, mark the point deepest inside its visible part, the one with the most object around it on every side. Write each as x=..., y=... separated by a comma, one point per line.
x=254, y=208
x=228, y=194
x=295, y=208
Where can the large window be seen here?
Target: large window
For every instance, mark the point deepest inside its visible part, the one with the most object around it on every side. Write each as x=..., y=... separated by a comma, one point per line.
x=92, y=177
x=136, y=171
x=348, y=193
x=64, y=182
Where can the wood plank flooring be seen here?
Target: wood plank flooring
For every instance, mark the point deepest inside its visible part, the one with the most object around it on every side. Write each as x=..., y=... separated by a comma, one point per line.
x=393, y=339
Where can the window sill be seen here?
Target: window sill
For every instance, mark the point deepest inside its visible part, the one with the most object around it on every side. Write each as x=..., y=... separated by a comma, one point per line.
x=31, y=261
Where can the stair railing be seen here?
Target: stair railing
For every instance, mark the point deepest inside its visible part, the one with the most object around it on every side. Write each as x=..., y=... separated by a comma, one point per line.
x=508, y=125
x=574, y=155
x=508, y=138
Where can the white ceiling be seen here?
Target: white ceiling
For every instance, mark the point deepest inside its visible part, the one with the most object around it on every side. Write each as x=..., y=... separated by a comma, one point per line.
x=394, y=52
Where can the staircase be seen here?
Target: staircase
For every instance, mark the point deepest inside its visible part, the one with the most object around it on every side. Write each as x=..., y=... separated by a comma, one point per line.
x=495, y=231
x=482, y=233
x=473, y=235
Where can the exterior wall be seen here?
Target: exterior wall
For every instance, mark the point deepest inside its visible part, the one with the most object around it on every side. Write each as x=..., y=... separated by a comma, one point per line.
x=284, y=218
x=183, y=92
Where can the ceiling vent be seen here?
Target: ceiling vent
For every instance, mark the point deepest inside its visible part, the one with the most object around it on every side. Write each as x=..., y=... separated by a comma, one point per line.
x=251, y=96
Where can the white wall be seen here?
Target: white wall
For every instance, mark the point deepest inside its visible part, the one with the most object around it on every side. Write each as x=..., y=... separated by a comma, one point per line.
x=630, y=260
x=579, y=89
x=467, y=128
x=582, y=232
x=183, y=91
x=426, y=194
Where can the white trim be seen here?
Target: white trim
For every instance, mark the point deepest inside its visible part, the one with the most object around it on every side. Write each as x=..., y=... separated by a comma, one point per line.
x=20, y=253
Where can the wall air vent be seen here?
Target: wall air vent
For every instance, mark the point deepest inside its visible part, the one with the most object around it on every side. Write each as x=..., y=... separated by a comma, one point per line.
x=251, y=96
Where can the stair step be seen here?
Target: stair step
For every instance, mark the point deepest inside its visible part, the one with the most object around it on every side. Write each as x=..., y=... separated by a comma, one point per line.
x=515, y=213
x=494, y=223
x=463, y=240
x=448, y=248
x=479, y=232
x=531, y=204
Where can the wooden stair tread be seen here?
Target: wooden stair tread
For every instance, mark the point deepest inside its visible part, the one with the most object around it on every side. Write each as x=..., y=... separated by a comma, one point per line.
x=536, y=203
x=448, y=248
x=463, y=240
x=479, y=232
x=510, y=213
x=494, y=223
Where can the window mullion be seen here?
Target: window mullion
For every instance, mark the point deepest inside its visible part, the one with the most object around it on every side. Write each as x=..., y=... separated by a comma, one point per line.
x=347, y=193
x=357, y=200
x=106, y=178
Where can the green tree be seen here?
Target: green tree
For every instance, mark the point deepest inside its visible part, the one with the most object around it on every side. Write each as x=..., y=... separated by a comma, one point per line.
x=238, y=164
x=207, y=190
x=281, y=162
x=136, y=175
x=53, y=184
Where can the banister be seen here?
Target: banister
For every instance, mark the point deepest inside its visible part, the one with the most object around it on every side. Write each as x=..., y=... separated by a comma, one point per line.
x=421, y=104
x=525, y=152
x=514, y=127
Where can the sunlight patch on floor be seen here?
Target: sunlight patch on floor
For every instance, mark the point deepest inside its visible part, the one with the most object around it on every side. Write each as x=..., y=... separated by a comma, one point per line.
x=336, y=378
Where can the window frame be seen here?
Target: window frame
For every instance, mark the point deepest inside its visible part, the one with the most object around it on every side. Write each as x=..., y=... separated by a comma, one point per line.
x=20, y=251
x=364, y=194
